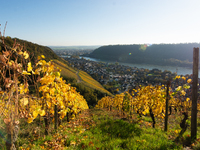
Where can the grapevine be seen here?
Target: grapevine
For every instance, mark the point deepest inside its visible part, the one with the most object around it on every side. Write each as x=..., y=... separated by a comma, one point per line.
x=16, y=73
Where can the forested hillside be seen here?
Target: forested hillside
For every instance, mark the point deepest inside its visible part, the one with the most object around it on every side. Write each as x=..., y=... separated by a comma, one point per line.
x=162, y=54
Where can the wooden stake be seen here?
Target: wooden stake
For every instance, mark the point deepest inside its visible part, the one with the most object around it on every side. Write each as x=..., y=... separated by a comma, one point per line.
x=56, y=117
x=194, y=94
x=167, y=105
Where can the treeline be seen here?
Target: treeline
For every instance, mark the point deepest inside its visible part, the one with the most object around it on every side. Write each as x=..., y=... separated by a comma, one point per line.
x=162, y=54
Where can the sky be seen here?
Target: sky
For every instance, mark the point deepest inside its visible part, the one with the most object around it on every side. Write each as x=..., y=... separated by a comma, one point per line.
x=101, y=22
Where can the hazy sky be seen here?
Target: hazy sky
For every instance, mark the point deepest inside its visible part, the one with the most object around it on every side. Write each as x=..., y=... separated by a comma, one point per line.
x=101, y=22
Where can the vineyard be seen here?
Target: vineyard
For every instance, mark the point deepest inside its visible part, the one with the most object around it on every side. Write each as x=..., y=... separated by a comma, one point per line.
x=86, y=79
x=39, y=110
x=65, y=70
x=48, y=97
x=90, y=82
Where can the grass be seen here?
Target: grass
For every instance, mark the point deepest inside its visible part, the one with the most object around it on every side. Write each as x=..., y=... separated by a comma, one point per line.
x=99, y=129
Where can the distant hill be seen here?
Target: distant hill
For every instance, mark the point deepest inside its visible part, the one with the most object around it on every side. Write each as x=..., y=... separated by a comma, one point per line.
x=159, y=54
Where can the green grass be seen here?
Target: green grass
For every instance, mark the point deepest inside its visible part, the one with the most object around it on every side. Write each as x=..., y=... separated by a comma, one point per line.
x=104, y=130
x=120, y=134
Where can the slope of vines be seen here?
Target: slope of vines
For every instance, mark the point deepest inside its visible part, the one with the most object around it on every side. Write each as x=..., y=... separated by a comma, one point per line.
x=31, y=89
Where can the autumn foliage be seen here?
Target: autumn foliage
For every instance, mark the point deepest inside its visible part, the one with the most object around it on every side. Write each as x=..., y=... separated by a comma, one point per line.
x=19, y=75
x=149, y=100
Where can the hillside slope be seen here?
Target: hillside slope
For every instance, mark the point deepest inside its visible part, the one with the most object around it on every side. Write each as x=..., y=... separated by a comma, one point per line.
x=34, y=49
x=85, y=79
x=87, y=85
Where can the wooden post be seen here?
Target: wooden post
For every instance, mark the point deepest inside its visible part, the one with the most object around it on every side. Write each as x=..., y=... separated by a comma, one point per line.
x=167, y=105
x=194, y=94
x=56, y=117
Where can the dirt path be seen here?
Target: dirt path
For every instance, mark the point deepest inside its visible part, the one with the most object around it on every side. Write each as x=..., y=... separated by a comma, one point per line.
x=79, y=78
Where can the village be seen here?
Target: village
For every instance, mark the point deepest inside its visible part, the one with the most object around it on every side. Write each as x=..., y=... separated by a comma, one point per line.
x=119, y=78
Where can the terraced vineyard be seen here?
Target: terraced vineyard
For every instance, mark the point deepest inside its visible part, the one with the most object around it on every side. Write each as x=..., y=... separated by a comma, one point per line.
x=90, y=82
x=86, y=79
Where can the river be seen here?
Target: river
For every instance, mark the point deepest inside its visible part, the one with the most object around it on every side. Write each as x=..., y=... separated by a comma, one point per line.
x=179, y=70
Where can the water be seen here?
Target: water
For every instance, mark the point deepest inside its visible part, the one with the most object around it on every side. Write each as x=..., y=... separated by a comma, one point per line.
x=179, y=70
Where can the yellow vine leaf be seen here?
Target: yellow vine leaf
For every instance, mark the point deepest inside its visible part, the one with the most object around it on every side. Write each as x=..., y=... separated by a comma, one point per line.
x=183, y=92
x=26, y=55
x=20, y=53
x=51, y=91
x=183, y=78
x=33, y=72
x=29, y=69
x=24, y=101
x=25, y=73
x=30, y=120
x=48, y=104
x=178, y=88
x=14, y=49
x=35, y=114
x=189, y=80
x=10, y=63
x=21, y=88
x=43, y=56
x=57, y=74
x=42, y=112
x=187, y=99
